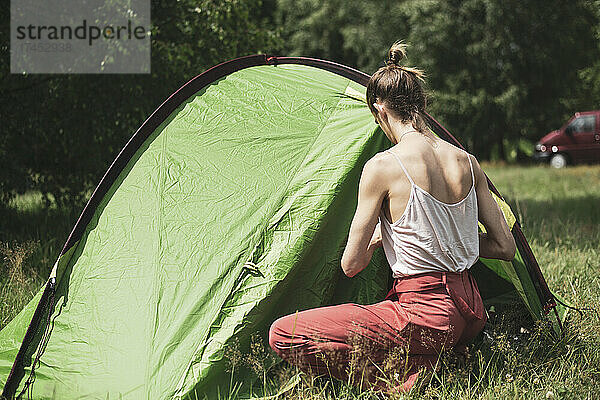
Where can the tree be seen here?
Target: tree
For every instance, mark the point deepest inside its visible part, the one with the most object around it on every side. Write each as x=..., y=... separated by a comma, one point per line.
x=498, y=71
x=354, y=33
x=588, y=95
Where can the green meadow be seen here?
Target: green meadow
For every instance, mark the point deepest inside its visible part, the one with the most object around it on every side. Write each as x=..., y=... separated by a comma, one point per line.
x=559, y=211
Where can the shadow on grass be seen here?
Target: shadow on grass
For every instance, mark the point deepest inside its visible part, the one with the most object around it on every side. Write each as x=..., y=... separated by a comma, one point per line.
x=47, y=227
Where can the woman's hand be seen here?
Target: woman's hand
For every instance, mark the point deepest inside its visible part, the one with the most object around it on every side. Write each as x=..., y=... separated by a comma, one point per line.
x=376, y=239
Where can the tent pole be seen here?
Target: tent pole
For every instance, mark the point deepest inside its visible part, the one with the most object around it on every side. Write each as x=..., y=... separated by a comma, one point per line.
x=17, y=371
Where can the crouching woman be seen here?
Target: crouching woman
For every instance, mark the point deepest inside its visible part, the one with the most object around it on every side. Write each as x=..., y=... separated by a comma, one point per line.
x=420, y=200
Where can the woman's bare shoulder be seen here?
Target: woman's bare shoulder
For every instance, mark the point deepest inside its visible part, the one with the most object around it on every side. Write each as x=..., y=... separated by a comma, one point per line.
x=477, y=171
x=385, y=166
x=379, y=163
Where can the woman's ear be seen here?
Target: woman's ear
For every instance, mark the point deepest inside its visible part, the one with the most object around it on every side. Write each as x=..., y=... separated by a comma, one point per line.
x=378, y=107
x=381, y=112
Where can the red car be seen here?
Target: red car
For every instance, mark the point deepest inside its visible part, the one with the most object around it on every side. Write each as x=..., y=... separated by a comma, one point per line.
x=577, y=141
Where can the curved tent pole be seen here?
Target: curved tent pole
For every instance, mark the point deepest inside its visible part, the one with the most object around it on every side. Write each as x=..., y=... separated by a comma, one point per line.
x=152, y=122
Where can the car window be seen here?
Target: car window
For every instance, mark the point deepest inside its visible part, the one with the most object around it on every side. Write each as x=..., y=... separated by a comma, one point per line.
x=585, y=123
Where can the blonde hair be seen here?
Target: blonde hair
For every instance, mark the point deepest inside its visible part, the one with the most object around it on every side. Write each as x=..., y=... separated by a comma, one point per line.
x=400, y=88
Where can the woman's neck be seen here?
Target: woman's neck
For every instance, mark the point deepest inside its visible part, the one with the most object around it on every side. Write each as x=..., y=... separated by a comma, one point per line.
x=399, y=130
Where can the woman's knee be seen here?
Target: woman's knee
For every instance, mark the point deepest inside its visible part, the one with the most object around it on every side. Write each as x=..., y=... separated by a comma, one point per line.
x=275, y=337
x=281, y=334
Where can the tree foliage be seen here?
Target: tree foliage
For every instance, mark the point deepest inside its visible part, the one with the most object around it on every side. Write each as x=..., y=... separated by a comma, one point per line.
x=60, y=132
x=502, y=71
x=498, y=71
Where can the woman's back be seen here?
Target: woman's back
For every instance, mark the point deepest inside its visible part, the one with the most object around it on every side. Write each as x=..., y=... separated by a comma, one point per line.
x=434, y=209
x=435, y=166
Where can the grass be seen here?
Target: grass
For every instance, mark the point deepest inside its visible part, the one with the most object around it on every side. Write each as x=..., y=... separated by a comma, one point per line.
x=559, y=211
x=31, y=237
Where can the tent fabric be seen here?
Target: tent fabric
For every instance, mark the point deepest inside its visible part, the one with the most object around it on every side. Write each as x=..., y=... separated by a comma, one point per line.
x=229, y=208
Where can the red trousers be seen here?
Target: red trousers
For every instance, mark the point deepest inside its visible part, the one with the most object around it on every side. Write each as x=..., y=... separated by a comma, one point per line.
x=386, y=343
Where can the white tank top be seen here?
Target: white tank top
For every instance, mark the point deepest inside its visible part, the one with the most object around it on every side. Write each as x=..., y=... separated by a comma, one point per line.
x=431, y=235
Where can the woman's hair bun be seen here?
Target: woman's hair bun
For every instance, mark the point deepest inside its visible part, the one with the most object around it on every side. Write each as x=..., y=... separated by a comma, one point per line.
x=396, y=53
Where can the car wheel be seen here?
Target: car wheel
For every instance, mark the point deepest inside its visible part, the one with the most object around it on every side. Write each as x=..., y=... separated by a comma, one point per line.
x=558, y=161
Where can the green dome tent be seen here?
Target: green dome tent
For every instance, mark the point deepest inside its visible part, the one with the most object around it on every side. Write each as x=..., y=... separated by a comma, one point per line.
x=229, y=207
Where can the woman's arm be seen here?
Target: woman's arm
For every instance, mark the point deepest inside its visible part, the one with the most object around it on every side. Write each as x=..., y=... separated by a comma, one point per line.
x=497, y=241
x=363, y=239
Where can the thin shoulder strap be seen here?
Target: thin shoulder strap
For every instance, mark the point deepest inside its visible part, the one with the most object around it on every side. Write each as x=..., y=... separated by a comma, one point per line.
x=470, y=166
x=402, y=165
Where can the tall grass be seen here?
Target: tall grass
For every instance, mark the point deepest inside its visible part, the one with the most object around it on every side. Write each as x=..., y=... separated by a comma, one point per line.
x=559, y=211
x=31, y=237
